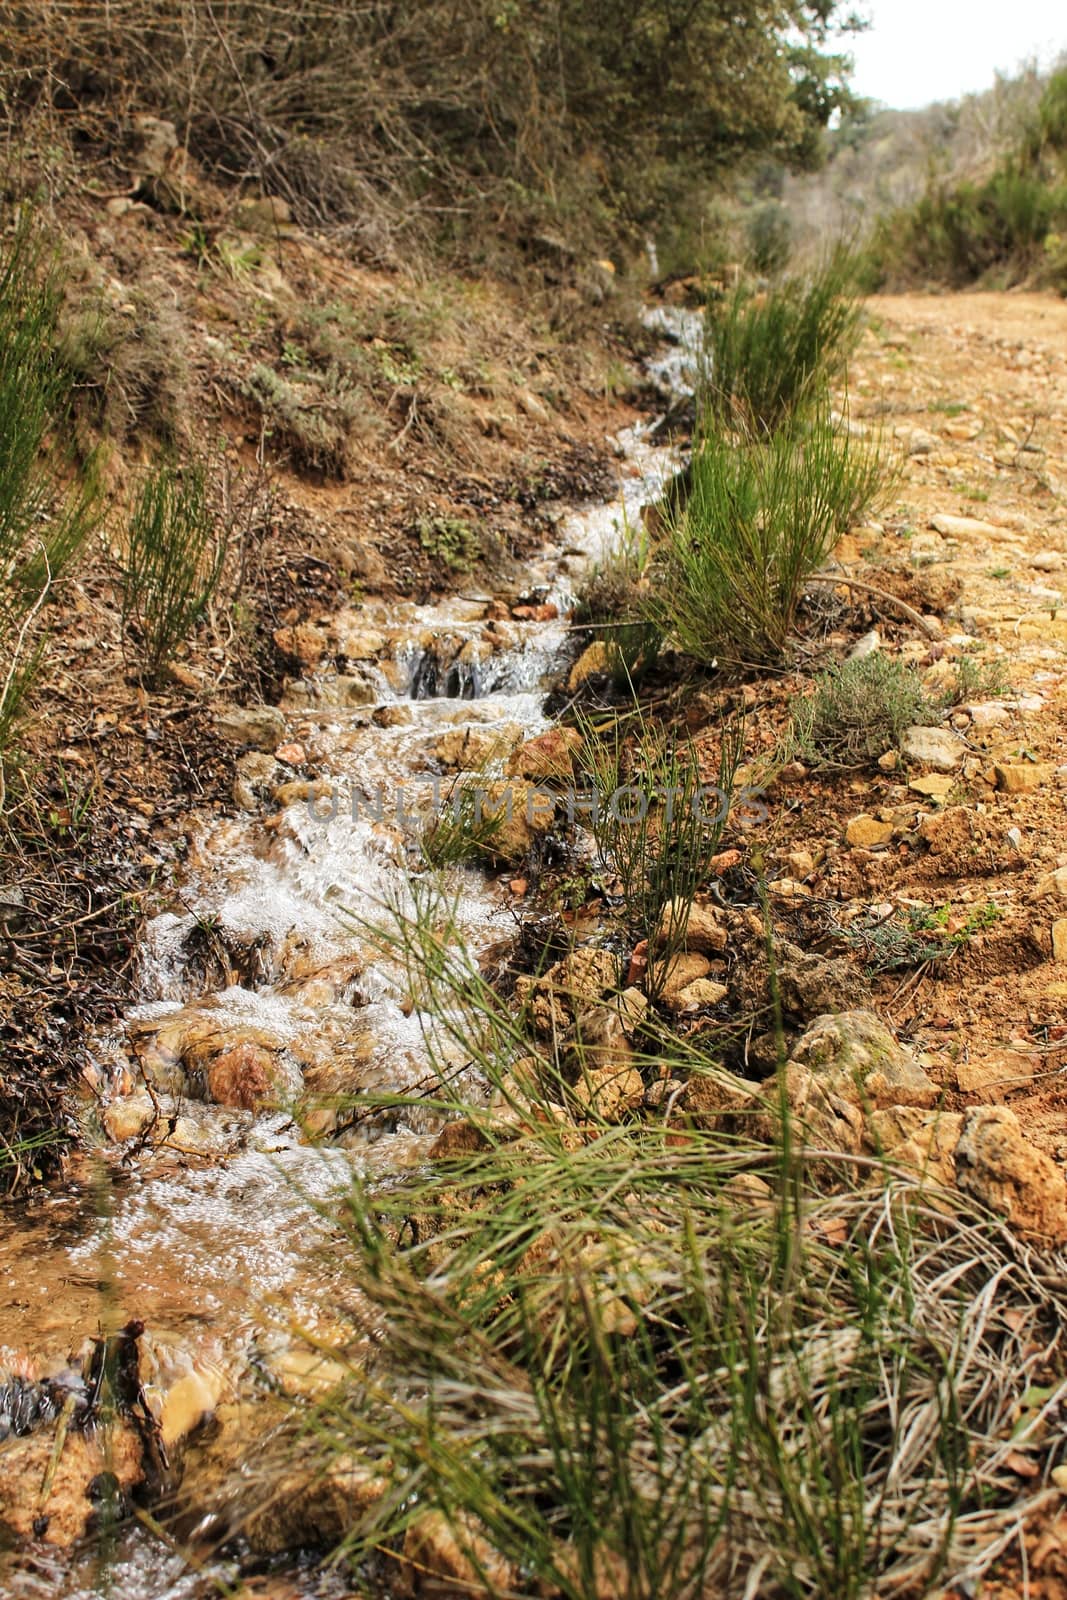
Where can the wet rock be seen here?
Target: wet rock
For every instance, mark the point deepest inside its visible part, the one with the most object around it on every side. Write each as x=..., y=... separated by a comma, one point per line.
x=867, y=833
x=245, y=1076
x=470, y=749
x=1002, y=1169
x=254, y=775
x=701, y=928
x=304, y=645
x=855, y=1056
x=525, y=815
x=263, y=727
x=547, y=758
x=933, y=747
x=593, y=662
x=398, y=716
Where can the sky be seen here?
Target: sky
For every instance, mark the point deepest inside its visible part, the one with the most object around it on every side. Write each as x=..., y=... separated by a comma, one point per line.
x=918, y=51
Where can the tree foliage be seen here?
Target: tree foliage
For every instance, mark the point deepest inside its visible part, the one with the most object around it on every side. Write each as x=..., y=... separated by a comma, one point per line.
x=519, y=102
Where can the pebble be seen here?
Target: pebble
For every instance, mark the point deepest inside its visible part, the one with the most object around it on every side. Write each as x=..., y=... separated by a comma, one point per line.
x=963, y=527
x=1059, y=939
x=933, y=747
x=867, y=832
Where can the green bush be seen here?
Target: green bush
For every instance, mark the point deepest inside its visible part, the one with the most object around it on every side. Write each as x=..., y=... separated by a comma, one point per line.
x=762, y=516
x=173, y=563
x=768, y=358
x=42, y=524
x=858, y=711
x=770, y=237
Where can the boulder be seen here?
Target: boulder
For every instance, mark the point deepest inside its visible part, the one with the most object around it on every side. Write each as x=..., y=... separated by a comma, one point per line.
x=856, y=1057
x=1002, y=1169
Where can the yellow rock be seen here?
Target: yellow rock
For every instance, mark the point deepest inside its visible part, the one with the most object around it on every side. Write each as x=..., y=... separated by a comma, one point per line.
x=1020, y=777
x=866, y=832
x=1059, y=939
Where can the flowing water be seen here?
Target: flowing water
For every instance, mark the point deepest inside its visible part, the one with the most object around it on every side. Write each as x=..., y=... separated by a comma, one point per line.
x=203, y=1219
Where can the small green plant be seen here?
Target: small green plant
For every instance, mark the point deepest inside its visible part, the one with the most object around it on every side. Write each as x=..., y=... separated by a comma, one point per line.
x=173, y=562
x=857, y=711
x=768, y=358
x=453, y=541
x=42, y=526
x=761, y=518
x=463, y=831
x=610, y=602
x=978, y=677
x=917, y=935
x=657, y=824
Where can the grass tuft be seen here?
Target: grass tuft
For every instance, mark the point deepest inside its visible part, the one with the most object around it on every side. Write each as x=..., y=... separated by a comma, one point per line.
x=858, y=711
x=768, y=358
x=762, y=516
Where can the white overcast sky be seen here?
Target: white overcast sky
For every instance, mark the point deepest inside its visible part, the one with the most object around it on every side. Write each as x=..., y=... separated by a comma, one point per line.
x=922, y=50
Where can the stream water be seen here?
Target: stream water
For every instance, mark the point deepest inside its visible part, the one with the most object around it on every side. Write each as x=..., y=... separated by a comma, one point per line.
x=202, y=1218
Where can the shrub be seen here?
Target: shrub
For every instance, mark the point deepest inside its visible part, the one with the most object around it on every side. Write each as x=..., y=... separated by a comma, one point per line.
x=42, y=526
x=173, y=563
x=762, y=516
x=770, y=237
x=769, y=357
x=858, y=711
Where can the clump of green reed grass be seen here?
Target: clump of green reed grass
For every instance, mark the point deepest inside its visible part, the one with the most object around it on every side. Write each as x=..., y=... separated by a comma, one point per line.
x=762, y=516
x=769, y=357
x=857, y=711
x=611, y=602
x=47, y=509
x=657, y=824
x=173, y=562
x=616, y=1363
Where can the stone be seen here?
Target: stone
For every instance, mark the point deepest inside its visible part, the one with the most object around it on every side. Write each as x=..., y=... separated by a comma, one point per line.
x=598, y=1039
x=927, y=1144
x=1020, y=777
x=457, y=1139
x=987, y=714
x=525, y=815
x=933, y=747
x=1059, y=939
x=856, y=1057
x=810, y=984
x=700, y=927
x=801, y=864
x=263, y=727
x=712, y=1097
x=680, y=971
x=609, y=1092
x=578, y=981
x=395, y=716
x=549, y=757
x=450, y=1557
x=826, y=1119
x=999, y=1167
x=698, y=995
x=305, y=644
x=996, y=1074
x=594, y=661
x=156, y=142
x=964, y=527
x=868, y=645
x=1047, y=561
x=935, y=786
x=1053, y=885
x=867, y=833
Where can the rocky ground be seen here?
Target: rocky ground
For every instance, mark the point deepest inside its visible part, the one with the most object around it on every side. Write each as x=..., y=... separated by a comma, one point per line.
x=953, y=843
